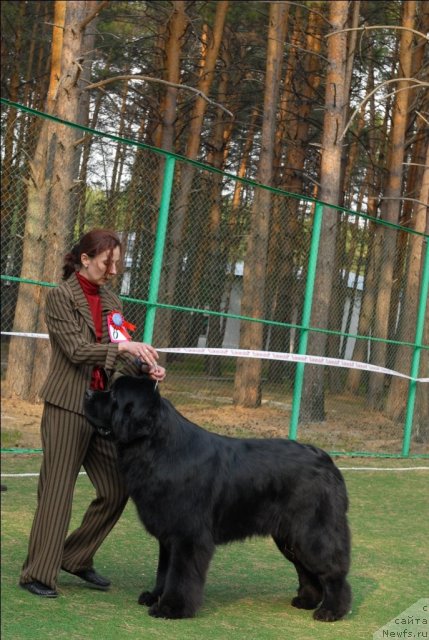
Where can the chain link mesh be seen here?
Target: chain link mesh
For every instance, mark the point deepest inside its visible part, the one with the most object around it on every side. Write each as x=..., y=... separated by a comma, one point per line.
x=118, y=183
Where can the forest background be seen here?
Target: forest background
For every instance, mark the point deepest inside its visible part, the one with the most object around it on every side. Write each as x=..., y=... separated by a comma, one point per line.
x=325, y=99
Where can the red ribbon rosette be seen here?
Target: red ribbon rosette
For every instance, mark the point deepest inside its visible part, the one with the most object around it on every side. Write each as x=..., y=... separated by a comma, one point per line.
x=117, y=326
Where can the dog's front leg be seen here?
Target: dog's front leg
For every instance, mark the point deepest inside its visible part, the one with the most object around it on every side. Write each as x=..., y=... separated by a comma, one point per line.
x=183, y=591
x=151, y=597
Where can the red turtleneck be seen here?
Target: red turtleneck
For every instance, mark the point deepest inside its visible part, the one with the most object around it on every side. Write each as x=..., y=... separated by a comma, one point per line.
x=92, y=294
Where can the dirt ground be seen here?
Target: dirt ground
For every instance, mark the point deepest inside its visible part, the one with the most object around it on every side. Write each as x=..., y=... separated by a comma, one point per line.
x=20, y=424
x=21, y=421
x=349, y=427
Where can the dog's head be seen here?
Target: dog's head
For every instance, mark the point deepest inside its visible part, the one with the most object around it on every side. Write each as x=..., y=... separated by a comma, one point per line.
x=126, y=411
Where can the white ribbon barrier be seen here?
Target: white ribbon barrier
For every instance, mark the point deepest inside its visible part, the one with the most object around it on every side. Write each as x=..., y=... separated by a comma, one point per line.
x=263, y=355
x=370, y=469
x=292, y=357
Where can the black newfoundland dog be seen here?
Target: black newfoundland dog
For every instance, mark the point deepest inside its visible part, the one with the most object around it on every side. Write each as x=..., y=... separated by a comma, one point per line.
x=194, y=489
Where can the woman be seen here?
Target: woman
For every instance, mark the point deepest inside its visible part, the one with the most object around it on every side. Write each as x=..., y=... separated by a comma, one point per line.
x=88, y=345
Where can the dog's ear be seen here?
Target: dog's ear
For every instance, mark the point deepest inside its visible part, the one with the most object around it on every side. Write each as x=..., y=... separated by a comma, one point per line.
x=134, y=408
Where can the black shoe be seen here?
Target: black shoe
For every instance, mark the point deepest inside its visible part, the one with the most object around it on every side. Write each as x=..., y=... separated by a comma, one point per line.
x=39, y=589
x=91, y=576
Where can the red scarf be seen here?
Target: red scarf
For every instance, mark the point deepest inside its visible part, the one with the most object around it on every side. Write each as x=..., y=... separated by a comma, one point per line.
x=92, y=294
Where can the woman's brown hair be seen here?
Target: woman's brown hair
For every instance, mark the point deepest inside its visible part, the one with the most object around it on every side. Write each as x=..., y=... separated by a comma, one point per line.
x=92, y=243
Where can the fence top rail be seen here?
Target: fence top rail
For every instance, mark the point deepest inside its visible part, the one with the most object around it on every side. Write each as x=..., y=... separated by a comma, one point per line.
x=206, y=167
x=161, y=305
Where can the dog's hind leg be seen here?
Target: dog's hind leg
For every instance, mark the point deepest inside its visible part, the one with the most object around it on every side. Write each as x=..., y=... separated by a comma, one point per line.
x=325, y=553
x=336, y=598
x=184, y=584
x=310, y=591
x=150, y=597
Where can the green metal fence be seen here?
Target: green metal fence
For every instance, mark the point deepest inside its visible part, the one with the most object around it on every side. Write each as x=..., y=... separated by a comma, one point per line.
x=183, y=284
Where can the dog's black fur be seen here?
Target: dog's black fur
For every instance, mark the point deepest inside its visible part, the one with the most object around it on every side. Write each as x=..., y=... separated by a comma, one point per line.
x=194, y=489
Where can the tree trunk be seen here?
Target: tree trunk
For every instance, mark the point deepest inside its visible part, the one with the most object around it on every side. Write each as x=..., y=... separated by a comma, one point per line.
x=396, y=401
x=21, y=350
x=286, y=240
x=216, y=257
x=417, y=174
x=247, y=391
x=173, y=51
x=166, y=133
x=7, y=192
x=340, y=280
x=374, y=188
x=83, y=172
x=391, y=208
x=208, y=269
x=178, y=219
x=61, y=214
x=313, y=398
x=50, y=217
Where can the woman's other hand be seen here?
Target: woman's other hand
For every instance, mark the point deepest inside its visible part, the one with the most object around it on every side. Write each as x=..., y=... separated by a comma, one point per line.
x=141, y=351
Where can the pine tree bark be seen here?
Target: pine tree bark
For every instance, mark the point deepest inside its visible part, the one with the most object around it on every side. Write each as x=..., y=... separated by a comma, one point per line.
x=336, y=100
x=61, y=213
x=22, y=351
x=7, y=192
x=286, y=233
x=396, y=400
x=391, y=209
x=50, y=218
x=374, y=182
x=248, y=389
x=417, y=216
x=166, y=132
x=173, y=53
x=178, y=217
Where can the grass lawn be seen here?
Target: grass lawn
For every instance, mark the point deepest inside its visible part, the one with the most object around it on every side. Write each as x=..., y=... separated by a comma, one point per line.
x=249, y=586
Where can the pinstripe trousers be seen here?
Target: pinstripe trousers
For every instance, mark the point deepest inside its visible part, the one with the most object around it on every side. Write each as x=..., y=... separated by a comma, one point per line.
x=69, y=442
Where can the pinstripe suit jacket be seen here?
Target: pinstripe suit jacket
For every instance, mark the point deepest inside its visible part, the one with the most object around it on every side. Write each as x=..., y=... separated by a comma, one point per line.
x=74, y=350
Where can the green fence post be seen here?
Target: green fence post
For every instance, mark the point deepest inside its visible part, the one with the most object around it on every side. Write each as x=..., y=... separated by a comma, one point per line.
x=306, y=317
x=161, y=232
x=415, y=361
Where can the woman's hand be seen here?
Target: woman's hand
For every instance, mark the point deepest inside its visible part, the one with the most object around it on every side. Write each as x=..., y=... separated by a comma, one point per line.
x=141, y=351
x=156, y=373
x=146, y=356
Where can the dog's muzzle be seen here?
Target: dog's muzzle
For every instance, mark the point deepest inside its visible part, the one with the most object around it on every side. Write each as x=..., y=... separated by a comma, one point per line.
x=106, y=432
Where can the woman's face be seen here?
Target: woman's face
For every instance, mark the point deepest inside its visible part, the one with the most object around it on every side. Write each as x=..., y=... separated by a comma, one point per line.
x=98, y=270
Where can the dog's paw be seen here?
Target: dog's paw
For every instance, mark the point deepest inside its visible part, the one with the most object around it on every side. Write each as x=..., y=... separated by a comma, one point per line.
x=304, y=603
x=147, y=598
x=327, y=615
x=159, y=610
